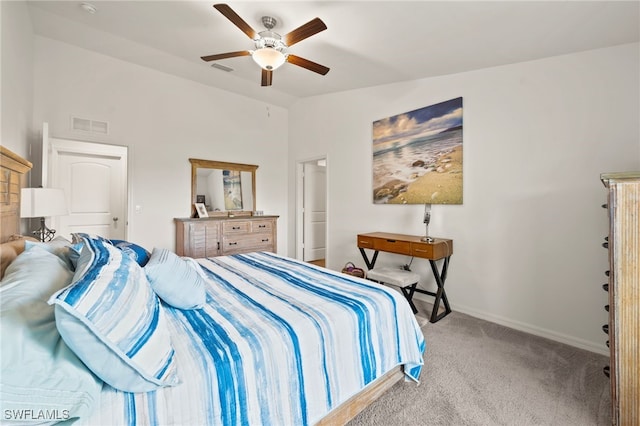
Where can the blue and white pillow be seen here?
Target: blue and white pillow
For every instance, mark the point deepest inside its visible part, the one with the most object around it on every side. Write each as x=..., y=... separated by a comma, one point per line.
x=113, y=321
x=176, y=280
x=138, y=253
x=78, y=237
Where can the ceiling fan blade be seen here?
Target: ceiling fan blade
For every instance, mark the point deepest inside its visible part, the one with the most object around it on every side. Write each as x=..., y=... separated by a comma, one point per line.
x=225, y=55
x=307, y=30
x=305, y=63
x=236, y=19
x=267, y=77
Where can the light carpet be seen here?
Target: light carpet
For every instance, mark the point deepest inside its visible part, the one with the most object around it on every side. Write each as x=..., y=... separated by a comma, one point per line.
x=481, y=373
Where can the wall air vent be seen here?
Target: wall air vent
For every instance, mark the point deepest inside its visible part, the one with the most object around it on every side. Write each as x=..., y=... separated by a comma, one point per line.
x=87, y=125
x=221, y=67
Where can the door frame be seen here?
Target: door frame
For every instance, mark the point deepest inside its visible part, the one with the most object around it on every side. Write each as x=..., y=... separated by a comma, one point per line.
x=52, y=146
x=300, y=204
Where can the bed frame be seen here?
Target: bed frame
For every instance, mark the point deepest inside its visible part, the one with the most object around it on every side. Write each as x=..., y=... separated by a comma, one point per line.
x=12, y=178
x=351, y=407
x=13, y=169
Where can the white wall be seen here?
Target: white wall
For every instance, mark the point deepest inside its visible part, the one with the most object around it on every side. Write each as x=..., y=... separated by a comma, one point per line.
x=164, y=120
x=16, y=87
x=537, y=135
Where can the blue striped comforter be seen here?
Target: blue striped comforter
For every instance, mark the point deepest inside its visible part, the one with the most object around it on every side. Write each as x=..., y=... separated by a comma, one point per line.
x=279, y=342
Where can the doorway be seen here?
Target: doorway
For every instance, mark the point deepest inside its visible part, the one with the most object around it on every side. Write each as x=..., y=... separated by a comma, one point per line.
x=94, y=179
x=311, y=211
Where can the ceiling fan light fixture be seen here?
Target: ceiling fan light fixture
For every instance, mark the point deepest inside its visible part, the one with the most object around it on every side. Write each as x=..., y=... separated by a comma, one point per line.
x=268, y=58
x=271, y=49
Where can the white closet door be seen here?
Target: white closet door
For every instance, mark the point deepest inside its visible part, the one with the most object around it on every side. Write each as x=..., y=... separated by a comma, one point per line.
x=315, y=212
x=94, y=178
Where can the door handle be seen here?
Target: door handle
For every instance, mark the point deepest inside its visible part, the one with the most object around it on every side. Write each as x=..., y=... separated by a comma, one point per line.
x=115, y=219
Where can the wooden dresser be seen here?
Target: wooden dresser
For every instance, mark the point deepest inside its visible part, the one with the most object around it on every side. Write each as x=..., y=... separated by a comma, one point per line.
x=217, y=236
x=623, y=204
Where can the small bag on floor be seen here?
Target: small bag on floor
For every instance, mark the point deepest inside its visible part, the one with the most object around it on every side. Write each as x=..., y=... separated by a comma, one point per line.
x=351, y=269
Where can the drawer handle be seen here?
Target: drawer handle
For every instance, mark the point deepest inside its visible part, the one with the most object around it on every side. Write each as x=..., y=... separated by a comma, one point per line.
x=235, y=227
x=265, y=240
x=262, y=226
x=420, y=251
x=391, y=241
x=233, y=244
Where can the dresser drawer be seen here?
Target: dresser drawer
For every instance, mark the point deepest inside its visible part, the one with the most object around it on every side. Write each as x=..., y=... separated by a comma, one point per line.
x=247, y=243
x=262, y=242
x=262, y=226
x=236, y=227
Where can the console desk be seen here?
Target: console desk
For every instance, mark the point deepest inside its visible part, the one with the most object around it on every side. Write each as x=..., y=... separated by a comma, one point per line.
x=411, y=245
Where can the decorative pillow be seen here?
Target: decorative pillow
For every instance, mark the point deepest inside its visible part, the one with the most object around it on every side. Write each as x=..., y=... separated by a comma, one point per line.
x=175, y=280
x=78, y=237
x=59, y=246
x=74, y=254
x=139, y=254
x=9, y=251
x=41, y=377
x=111, y=318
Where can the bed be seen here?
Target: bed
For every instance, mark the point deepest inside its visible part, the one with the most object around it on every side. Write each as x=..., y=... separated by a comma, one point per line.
x=247, y=339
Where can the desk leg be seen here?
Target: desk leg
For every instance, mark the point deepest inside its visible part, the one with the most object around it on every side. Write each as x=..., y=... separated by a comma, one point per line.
x=371, y=264
x=439, y=294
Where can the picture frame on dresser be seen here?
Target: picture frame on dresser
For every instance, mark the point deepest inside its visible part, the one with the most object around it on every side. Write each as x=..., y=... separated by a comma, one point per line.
x=201, y=210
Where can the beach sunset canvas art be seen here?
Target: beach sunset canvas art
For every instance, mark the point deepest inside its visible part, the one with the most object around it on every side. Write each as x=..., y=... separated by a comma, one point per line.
x=417, y=156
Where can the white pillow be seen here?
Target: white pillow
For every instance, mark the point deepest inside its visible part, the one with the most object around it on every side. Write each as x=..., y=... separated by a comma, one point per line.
x=59, y=246
x=40, y=376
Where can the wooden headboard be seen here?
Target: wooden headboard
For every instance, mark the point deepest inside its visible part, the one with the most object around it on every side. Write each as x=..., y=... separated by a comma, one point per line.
x=12, y=178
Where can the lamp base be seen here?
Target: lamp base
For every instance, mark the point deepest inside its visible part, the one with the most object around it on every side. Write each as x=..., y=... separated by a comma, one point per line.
x=44, y=234
x=427, y=239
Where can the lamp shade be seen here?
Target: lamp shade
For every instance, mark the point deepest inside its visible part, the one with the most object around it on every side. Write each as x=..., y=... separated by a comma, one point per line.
x=268, y=58
x=42, y=202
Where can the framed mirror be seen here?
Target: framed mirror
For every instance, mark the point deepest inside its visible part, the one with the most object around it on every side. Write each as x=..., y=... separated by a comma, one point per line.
x=224, y=188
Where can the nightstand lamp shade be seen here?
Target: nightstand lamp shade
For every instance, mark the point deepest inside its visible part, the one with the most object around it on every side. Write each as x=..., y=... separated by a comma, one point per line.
x=42, y=202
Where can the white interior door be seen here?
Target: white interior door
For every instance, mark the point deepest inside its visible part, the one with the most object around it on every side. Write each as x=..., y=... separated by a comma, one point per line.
x=314, y=212
x=94, y=178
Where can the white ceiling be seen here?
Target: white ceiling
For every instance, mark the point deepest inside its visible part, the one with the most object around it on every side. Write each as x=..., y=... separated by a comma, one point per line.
x=367, y=43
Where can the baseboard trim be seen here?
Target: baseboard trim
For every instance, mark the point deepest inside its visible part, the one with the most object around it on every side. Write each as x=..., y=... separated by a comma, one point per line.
x=527, y=328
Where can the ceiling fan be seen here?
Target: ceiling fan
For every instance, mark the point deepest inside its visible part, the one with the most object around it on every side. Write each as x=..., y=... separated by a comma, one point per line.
x=271, y=48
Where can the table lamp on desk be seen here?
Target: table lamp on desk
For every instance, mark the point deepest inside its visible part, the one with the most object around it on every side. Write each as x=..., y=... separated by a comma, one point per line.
x=426, y=220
